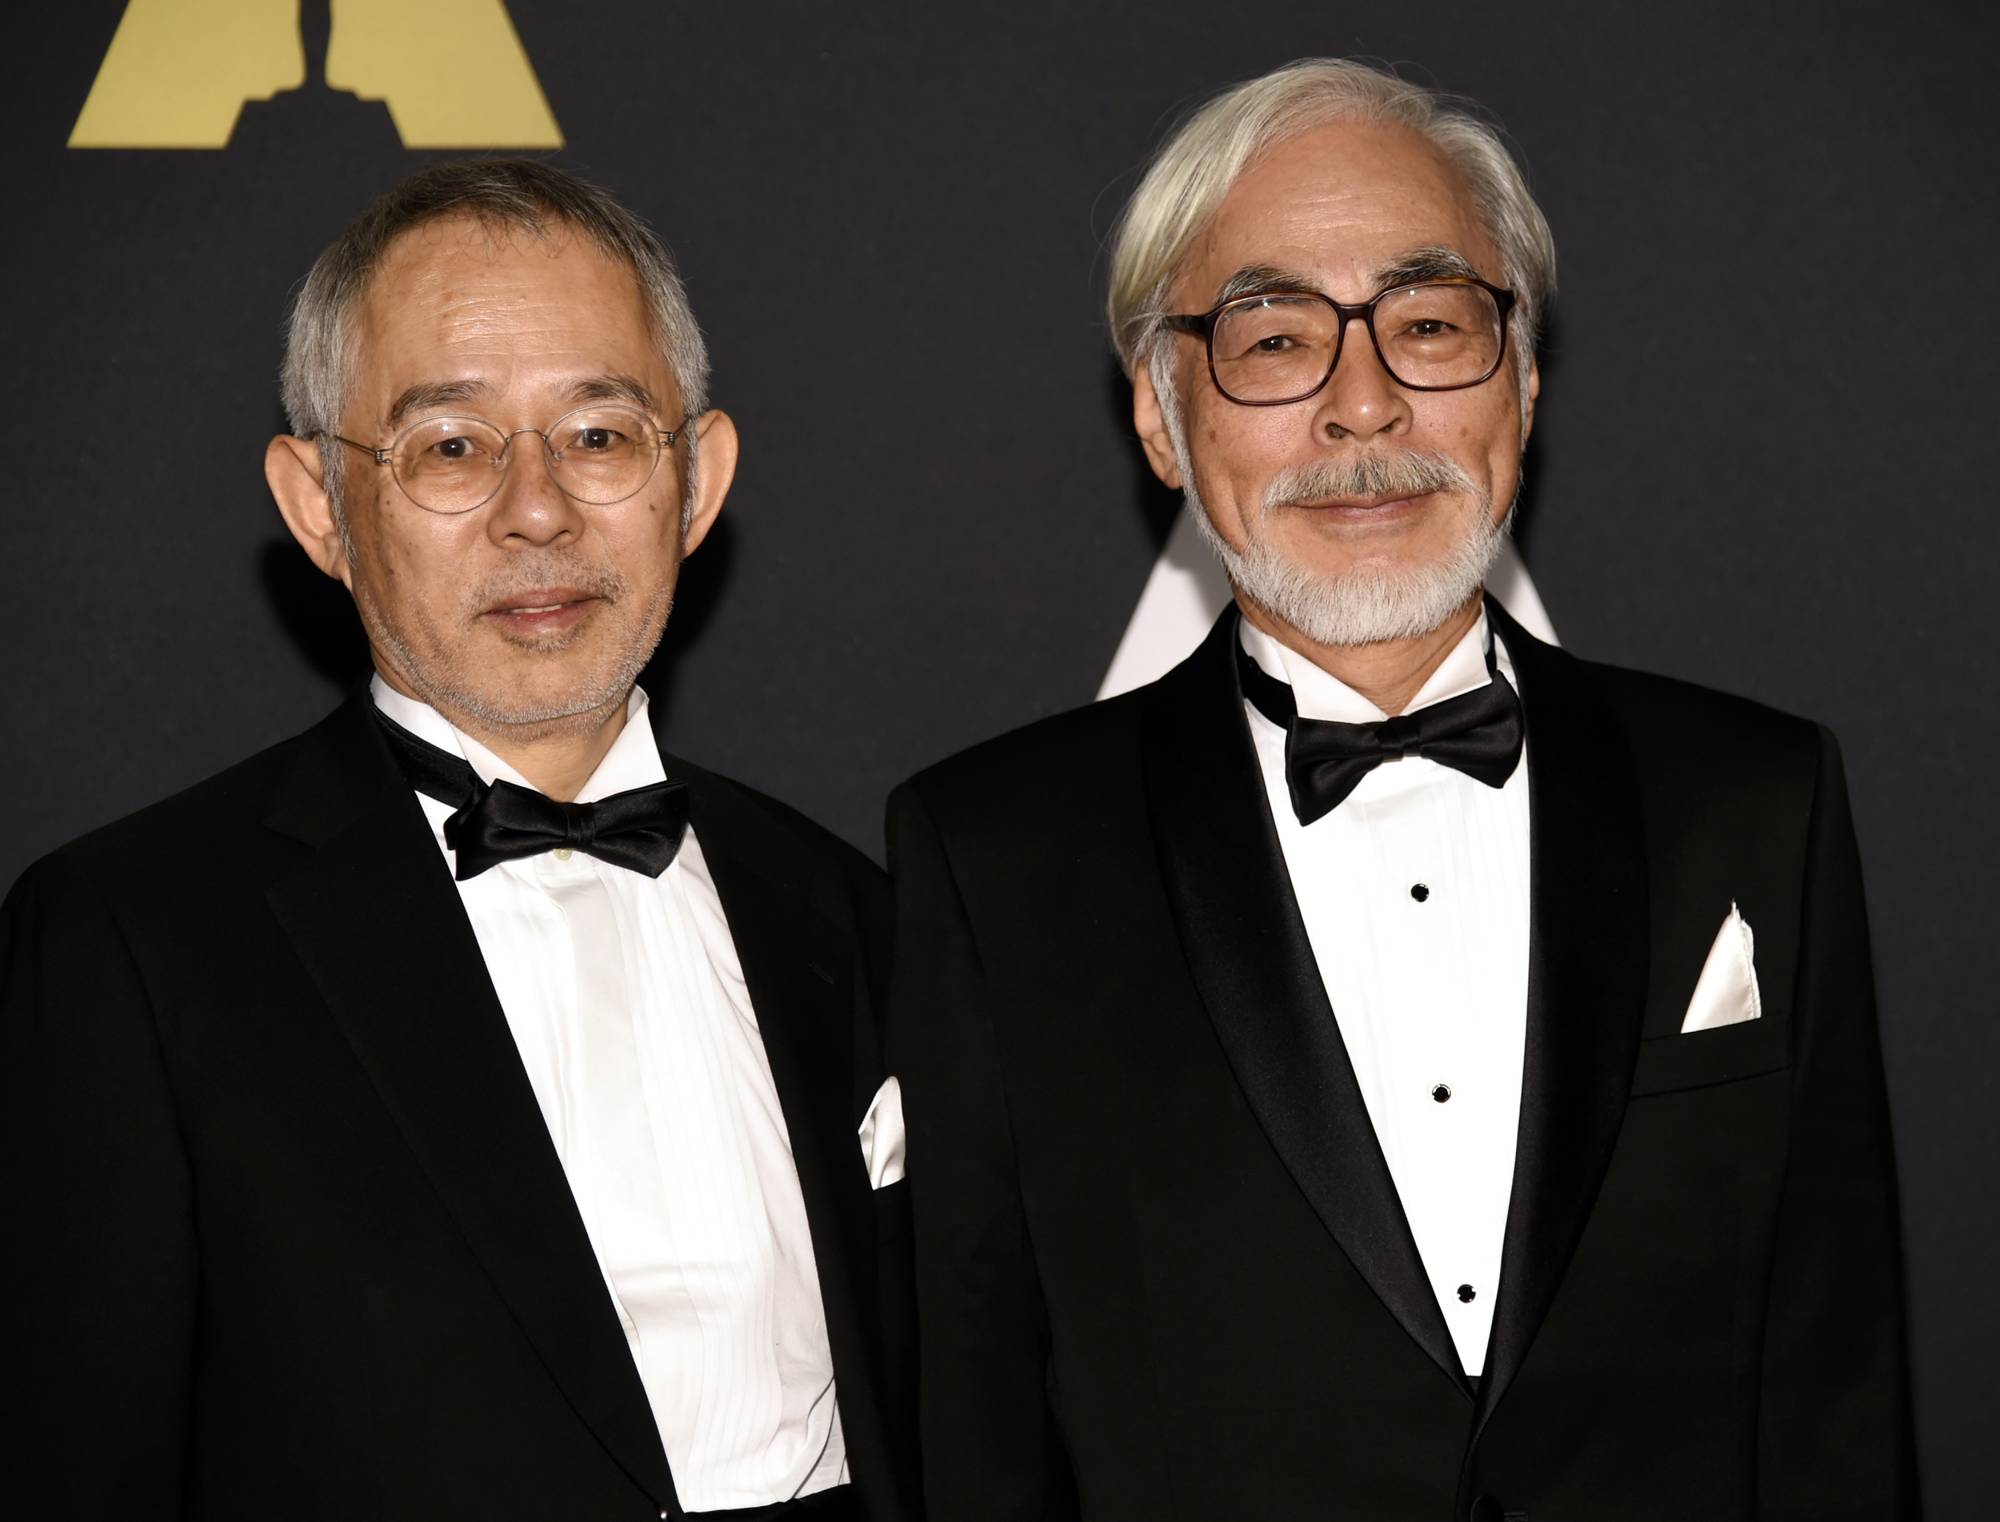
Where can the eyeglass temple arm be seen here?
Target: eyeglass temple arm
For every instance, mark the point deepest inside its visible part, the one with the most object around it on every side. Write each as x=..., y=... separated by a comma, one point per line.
x=380, y=456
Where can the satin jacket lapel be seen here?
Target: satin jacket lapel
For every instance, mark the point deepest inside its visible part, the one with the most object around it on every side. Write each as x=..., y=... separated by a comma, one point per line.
x=1587, y=973
x=378, y=923
x=1247, y=948
x=801, y=971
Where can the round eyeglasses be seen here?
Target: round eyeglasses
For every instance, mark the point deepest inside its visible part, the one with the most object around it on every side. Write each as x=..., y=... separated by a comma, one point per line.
x=599, y=455
x=1283, y=346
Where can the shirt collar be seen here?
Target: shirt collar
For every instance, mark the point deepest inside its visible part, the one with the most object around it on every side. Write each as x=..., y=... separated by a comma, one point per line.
x=1321, y=695
x=633, y=760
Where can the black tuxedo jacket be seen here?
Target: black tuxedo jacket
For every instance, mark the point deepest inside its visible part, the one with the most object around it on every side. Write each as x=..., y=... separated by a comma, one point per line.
x=1162, y=1268
x=285, y=1235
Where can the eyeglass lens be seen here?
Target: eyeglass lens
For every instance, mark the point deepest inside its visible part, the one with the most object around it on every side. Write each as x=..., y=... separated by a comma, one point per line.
x=1281, y=348
x=598, y=455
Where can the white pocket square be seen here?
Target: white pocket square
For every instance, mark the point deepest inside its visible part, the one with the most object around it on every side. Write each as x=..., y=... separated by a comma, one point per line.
x=1726, y=993
x=882, y=1135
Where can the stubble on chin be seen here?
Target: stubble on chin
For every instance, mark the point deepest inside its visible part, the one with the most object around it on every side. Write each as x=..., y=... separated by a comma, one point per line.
x=460, y=675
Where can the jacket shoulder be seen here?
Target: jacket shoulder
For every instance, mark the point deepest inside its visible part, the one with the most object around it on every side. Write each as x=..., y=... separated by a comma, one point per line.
x=1035, y=770
x=784, y=847
x=214, y=815
x=791, y=827
x=1686, y=725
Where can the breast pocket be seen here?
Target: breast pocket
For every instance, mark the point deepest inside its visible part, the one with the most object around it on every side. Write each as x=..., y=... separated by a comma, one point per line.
x=1697, y=1059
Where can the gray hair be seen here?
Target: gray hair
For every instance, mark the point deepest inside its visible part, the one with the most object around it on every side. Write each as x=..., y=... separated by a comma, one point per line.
x=500, y=193
x=1195, y=168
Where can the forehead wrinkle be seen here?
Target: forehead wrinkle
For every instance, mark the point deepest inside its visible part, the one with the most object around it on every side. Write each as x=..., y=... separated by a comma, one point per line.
x=1331, y=197
x=525, y=323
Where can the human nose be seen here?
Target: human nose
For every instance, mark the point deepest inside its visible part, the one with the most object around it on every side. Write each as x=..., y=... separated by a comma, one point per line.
x=1361, y=398
x=531, y=507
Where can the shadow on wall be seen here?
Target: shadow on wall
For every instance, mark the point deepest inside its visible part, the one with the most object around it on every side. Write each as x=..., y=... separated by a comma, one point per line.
x=315, y=612
x=703, y=583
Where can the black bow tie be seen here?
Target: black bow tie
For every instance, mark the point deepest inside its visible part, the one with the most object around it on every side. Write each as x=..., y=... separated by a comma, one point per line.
x=1478, y=733
x=499, y=821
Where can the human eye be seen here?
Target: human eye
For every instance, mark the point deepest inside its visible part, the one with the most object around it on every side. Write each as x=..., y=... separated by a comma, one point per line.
x=606, y=433
x=597, y=438
x=1435, y=314
x=455, y=447
x=1272, y=328
x=442, y=446
x=1428, y=327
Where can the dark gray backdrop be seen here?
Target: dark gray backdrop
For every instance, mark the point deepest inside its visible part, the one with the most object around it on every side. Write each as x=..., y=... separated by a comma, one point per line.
x=1763, y=458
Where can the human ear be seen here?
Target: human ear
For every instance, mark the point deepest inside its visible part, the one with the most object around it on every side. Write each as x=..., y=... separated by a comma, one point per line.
x=295, y=472
x=1149, y=421
x=716, y=470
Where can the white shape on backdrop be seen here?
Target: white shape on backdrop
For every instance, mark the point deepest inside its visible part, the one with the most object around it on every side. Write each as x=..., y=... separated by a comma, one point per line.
x=1187, y=590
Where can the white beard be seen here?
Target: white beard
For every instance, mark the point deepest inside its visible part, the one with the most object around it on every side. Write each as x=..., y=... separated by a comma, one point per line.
x=1366, y=605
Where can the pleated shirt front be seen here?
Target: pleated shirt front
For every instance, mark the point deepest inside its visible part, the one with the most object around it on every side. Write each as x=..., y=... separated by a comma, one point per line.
x=627, y=1002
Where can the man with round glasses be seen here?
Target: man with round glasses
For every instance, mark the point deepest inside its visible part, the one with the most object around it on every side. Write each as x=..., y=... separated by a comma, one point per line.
x=466, y=1108
x=1388, y=1068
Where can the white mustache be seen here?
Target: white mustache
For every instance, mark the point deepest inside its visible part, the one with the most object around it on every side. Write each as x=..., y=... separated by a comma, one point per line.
x=1410, y=473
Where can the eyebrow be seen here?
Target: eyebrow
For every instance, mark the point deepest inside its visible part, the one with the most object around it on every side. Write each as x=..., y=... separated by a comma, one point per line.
x=1263, y=280
x=1432, y=262
x=425, y=395
x=614, y=388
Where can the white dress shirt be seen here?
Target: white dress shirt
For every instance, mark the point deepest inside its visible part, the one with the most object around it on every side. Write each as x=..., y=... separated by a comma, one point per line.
x=628, y=1006
x=1414, y=893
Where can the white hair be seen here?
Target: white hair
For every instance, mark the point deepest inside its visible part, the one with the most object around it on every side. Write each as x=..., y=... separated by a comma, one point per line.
x=1196, y=167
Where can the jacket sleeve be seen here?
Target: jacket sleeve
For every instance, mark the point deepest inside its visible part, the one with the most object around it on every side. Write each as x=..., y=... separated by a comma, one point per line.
x=98, y=1249
x=1834, y=1429
x=992, y=1449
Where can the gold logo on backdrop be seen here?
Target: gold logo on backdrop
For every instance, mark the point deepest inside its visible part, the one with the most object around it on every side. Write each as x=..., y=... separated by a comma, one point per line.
x=452, y=73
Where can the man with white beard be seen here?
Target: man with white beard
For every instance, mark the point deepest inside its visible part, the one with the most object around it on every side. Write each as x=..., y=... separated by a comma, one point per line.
x=1388, y=1067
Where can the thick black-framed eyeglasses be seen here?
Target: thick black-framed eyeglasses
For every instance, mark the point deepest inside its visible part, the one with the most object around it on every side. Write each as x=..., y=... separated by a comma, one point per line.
x=600, y=454
x=1283, y=346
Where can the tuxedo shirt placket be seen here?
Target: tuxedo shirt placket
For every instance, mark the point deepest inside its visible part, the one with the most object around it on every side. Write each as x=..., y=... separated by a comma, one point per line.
x=1414, y=893
x=627, y=1003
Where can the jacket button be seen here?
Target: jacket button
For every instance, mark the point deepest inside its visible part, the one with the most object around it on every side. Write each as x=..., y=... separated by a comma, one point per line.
x=1488, y=1509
